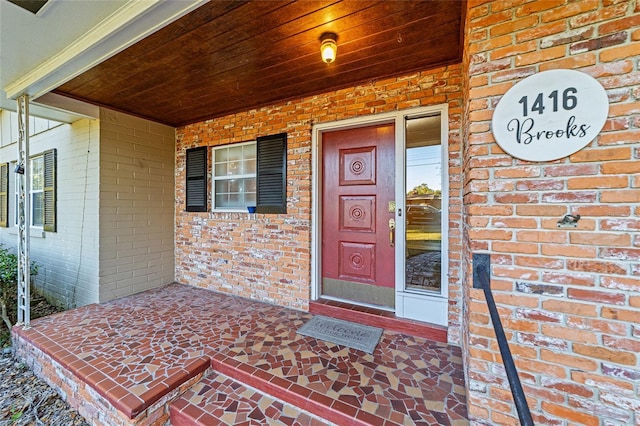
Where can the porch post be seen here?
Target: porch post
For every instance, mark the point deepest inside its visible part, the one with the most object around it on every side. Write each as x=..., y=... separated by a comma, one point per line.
x=24, y=216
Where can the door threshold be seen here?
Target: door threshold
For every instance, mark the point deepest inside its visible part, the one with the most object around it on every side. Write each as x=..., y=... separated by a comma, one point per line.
x=360, y=305
x=377, y=317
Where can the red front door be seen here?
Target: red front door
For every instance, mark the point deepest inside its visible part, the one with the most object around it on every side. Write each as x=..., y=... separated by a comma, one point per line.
x=358, y=186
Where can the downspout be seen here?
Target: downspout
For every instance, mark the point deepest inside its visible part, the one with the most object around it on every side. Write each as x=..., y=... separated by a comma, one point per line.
x=23, y=170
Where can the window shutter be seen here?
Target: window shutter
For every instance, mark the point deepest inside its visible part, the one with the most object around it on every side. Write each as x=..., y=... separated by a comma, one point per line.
x=50, y=191
x=4, y=195
x=272, y=174
x=197, y=179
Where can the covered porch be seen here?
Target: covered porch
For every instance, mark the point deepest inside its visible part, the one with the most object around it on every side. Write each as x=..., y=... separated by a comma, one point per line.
x=156, y=81
x=182, y=354
x=194, y=356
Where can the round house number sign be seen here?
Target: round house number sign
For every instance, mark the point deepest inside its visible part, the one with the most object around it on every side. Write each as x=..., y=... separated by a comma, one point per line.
x=550, y=115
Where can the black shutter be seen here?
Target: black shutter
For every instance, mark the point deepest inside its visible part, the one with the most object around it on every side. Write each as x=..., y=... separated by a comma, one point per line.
x=4, y=195
x=50, y=191
x=272, y=174
x=197, y=179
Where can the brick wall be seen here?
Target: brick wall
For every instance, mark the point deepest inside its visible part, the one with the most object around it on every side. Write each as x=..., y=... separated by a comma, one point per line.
x=269, y=258
x=569, y=299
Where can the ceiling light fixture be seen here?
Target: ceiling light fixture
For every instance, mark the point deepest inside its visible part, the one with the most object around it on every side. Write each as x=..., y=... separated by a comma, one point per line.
x=328, y=47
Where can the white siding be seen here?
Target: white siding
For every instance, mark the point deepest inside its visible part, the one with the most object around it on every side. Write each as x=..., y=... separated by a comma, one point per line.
x=9, y=126
x=136, y=205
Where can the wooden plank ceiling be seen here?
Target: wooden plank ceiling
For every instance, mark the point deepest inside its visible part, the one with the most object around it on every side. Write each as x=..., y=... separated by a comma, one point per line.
x=231, y=56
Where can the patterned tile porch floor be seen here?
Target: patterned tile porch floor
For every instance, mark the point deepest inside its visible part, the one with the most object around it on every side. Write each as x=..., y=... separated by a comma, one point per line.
x=136, y=349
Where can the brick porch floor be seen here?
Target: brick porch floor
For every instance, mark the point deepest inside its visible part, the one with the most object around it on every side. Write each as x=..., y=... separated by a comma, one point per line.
x=190, y=356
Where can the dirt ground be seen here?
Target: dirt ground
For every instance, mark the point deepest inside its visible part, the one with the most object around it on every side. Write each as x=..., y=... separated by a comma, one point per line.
x=39, y=308
x=25, y=399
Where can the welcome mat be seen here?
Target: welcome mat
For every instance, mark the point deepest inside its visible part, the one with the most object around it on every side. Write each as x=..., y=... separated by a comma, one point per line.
x=345, y=333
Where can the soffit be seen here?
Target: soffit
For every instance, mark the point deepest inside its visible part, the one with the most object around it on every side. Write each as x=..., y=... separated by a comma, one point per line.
x=41, y=51
x=231, y=56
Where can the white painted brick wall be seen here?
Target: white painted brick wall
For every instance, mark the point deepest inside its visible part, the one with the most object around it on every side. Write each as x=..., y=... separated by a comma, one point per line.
x=68, y=258
x=115, y=207
x=136, y=205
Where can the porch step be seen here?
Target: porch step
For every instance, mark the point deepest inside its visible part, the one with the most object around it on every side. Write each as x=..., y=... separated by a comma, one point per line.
x=220, y=400
x=408, y=382
x=329, y=408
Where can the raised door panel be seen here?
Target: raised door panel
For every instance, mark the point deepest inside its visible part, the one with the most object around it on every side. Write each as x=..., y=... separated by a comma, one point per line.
x=357, y=261
x=358, y=166
x=358, y=213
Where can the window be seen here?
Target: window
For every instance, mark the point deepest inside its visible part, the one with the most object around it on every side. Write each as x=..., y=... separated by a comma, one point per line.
x=37, y=191
x=243, y=175
x=42, y=191
x=234, y=176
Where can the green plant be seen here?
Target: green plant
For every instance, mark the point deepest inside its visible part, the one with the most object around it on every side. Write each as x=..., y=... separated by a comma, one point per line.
x=8, y=281
x=16, y=413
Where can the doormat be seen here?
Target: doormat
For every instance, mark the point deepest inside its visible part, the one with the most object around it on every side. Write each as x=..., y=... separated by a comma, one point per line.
x=345, y=333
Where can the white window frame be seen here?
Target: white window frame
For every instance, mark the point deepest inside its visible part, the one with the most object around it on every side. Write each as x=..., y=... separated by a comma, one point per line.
x=215, y=178
x=32, y=192
x=12, y=167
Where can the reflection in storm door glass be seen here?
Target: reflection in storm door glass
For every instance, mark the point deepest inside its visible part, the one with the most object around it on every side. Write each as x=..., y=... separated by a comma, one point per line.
x=423, y=204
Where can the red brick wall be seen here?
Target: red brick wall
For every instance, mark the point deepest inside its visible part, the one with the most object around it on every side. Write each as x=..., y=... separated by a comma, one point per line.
x=569, y=299
x=270, y=258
